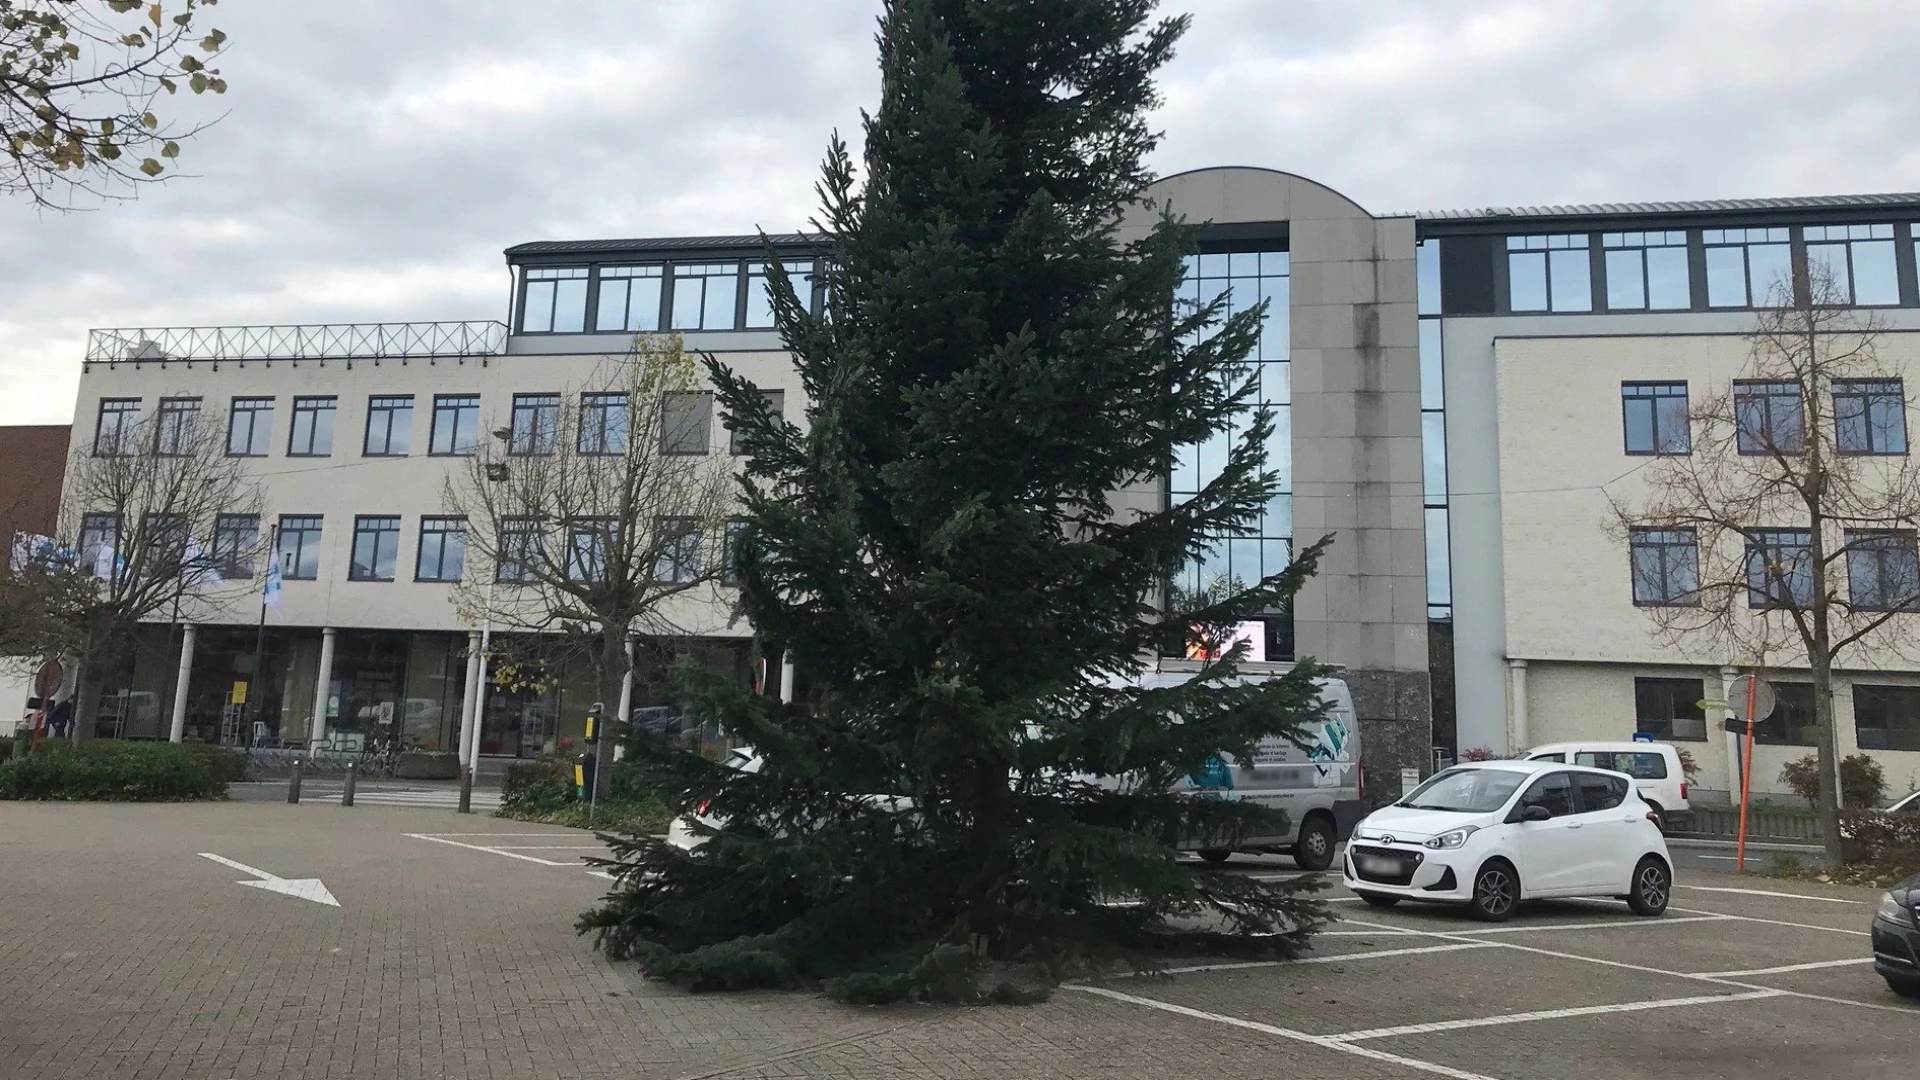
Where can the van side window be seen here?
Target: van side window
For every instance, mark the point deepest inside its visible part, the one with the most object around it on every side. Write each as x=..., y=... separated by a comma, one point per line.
x=1641, y=766
x=1561, y=758
x=1553, y=791
x=1594, y=759
x=1601, y=792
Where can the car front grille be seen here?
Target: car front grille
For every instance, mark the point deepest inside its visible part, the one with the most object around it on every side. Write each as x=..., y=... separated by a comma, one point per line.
x=1372, y=864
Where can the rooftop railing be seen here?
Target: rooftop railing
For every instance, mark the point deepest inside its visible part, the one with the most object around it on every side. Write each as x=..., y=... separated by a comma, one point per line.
x=328, y=341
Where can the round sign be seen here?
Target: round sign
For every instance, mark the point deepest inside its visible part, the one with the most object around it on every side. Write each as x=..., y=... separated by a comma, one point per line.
x=1763, y=698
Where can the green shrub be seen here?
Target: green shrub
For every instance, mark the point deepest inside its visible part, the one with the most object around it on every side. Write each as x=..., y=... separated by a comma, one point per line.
x=537, y=786
x=116, y=771
x=1863, y=785
x=229, y=765
x=1886, y=844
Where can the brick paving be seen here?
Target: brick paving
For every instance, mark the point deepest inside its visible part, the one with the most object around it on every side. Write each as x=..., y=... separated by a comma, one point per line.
x=126, y=955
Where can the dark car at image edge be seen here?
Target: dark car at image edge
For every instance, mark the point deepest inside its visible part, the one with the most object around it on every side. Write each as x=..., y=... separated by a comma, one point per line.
x=1896, y=937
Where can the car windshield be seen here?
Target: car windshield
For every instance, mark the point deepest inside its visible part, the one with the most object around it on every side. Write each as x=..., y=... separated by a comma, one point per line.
x=1466, y=791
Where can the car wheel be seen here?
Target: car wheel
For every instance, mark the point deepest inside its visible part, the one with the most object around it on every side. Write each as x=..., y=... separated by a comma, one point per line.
x=1379, y=900
x=1313, y=848
x=1652, y=887
x=1216, y=856
x=1909, y=988
x=1659, y=816
x=1496, y=891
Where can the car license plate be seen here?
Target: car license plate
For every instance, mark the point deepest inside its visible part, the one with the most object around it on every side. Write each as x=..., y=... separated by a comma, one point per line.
x=1374, y=864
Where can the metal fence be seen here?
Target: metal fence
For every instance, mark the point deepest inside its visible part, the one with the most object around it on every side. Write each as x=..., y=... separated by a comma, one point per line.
x=322, y=341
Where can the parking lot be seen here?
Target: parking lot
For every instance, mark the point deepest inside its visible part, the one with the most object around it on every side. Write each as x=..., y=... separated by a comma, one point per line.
x=447, y=949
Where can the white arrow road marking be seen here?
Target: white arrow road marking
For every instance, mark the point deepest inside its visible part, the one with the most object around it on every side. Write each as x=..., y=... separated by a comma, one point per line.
x=304, y=888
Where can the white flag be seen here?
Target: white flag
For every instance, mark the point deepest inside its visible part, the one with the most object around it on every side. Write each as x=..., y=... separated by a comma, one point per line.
x=30, y=548
x=270, y=589
x=106, y=562
x=198, y=568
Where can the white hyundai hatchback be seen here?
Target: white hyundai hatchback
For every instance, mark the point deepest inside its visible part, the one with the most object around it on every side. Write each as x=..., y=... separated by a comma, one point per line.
x=1491, y=834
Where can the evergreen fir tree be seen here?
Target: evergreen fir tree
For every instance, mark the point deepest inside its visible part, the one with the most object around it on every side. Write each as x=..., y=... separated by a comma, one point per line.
x=969, y=797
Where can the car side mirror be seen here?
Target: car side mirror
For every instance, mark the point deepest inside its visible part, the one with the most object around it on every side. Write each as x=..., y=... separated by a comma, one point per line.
x=1536, y=812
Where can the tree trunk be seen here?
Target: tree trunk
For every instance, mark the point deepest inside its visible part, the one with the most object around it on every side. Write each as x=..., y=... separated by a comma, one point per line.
x=1827, y=805
x=610, y=672
x=86, y=700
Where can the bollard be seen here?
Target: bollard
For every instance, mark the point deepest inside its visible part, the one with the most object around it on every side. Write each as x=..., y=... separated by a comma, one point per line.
x=293, y=785
x=346, y=794
x=466, y=790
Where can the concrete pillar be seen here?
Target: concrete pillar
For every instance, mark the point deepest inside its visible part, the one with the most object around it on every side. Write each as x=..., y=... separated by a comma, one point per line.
x=786, y=675
x=480, y=699
x=1517, y=682
x=177, y=730
x=322, y=687
x=626, y=701
x=470, y=679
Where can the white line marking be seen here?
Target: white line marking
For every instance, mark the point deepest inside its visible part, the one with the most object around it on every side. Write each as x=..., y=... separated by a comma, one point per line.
x=303, y=888
x=491, y=851
x=602, y=873
x=1775, y=922
x=1363, y=933
x=240, y=866
x=1285, y=1033
x=1365, y=954
x=1716, y=858
x=1789, y=967
x=1617, y=924
x=556, y=847
x=546, y=835
x=1781, y=895
x=1552, y=1014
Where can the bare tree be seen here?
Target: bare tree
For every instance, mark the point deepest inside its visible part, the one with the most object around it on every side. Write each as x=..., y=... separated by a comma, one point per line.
x=81, y=83
x=137, y=538
x=1798, y=503
x=586, y=519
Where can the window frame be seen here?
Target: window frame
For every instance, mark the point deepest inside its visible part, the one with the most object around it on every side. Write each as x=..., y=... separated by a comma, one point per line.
x=553, y=277
x=317, y=534
x=456, y=406
x=1659, y=539
x=629, y=272
x=1769, y=392
x=1655, y=395
x=1764, y=730
x=1524, y=246
x=441, y=527
x=523, y=552
x=776, y=401
x=1642, y=684
x=600, y=404
x=389, y=406
x=732, y=528
x=309, y=406
x=1872, y=547
x=1768, y=539
x=534, y=406
x=126, y=424
x=370, y=526
x=707, y=304
x=1894, y=740
x=255, y=436
x=1712, y=240
x=702, y=414
x=178, y=417
x=227, y=556
x=1869, y=393
x=98, y=529
x=601, y=532
x=1848, y=243
x=677, y=530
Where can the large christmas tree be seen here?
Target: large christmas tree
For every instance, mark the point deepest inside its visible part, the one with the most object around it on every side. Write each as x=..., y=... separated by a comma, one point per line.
x=969, y=791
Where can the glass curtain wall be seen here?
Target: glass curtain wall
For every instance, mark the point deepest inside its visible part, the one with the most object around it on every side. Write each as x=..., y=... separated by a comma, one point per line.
x=1243, y=279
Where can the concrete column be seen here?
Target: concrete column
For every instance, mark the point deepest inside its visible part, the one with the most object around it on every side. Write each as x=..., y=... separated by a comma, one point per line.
x=470, y=679
x=480, y=699
x=626, y=701
x=1517, y=683
x=178, y=722
x=322, y=685
x=786, y=675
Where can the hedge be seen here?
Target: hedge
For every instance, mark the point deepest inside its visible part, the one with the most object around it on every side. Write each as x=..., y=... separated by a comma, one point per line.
x=1886, y=842
x=115, y=771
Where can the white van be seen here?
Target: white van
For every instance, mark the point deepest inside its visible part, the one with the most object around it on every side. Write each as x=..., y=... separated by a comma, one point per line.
x=1654, y=767
x=1318, y=785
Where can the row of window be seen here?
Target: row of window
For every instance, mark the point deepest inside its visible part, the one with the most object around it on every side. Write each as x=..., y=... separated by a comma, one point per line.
x=729, y=295
x=1884, y=717
x=439, y=557
x=602, y=428
x=1869, y=417
x=1739, y=268
x=1883, y=570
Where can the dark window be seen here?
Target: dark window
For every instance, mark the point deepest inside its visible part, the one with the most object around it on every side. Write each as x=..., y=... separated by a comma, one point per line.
x=536, y=419
x=1886, y=717
x=728, y=545
x=603, y=423
x=521, y=542
x=629, y=298
x=1748, y=267
x=456, y=424
x=1640, y=766
x=1767, y=417
x=776, y=403
x=1857, y=259
x=588, y=542
x=1647, y=271
x=1549, y=273
x=1561, y=758
x=1654, y=417
x=299, y=546
x=1553, y=791
x=1883, y=571
x=1666, y=566
x=556, y=300
x=704, y=295
x=1670, y=708
x=1600, y=792
x=235, y=539
x=311, y=434
x=679, y=560
x=166, y=545
x=376, y=548
x=1779, y=568
x=443, y=549
x=250, y=426
x=119, y=419
x=1792, y=720
x=760, y=294
x=99, y=543
x=389, y=425
x=684, y=422
x=178, y=418
x=1869, y=416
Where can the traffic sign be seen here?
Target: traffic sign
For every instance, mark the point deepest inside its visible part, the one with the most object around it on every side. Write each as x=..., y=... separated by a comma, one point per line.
x=1709, y=703
x=1643, y=736
x=1764, y=700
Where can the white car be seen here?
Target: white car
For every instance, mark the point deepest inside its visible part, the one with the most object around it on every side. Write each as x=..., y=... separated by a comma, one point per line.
x=682, y=834
x=1655, y=768
x=1491, y=834
x=1908, y=805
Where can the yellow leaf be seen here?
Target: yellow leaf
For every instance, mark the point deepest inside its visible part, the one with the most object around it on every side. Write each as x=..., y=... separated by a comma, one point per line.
x=152, y=167
x=153, y=16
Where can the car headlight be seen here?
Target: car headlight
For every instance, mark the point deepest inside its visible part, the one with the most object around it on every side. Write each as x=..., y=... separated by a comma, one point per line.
x=1892, y=910
x=1449, y=840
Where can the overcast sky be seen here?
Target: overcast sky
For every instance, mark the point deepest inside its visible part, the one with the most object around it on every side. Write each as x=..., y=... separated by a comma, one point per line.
x=375, y=156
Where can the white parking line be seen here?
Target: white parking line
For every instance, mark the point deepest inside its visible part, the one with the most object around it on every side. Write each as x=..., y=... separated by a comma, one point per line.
x=1763, y=892
x=1616, y=924
x=1850, y=961
x=491, y=850
x=1551, y=1014
x=550, y=847
x=1364, y=955
x=1775, y=922
x=1286, y=1033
